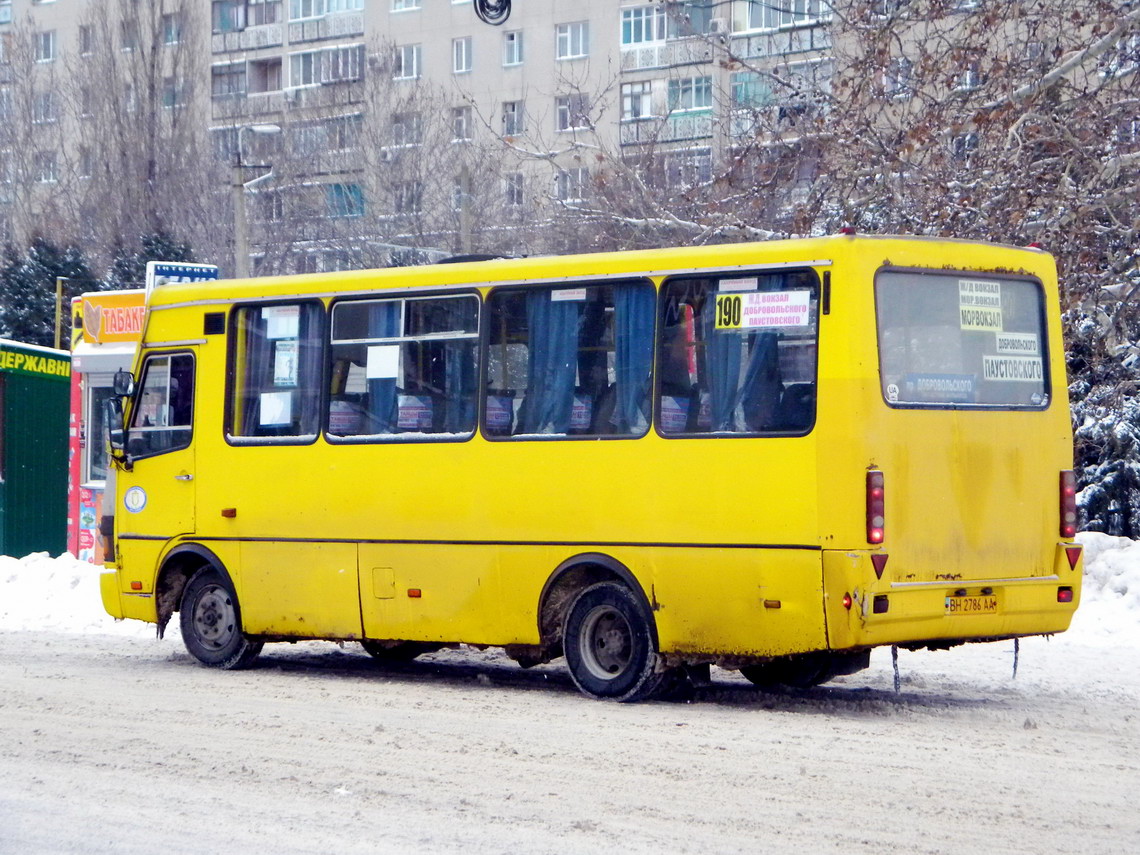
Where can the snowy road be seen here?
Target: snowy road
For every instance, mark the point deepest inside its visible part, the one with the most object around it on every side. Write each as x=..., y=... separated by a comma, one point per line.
x=120, y=743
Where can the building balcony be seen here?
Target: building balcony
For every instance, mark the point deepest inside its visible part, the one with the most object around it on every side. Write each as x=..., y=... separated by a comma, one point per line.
x=690, y=51
x=783, y=42
x=328, y=27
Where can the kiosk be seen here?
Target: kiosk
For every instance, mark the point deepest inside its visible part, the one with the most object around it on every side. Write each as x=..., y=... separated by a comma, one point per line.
x=33, y=448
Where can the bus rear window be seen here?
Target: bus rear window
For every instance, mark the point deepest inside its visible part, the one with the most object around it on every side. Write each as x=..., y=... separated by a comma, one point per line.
x=961, y=340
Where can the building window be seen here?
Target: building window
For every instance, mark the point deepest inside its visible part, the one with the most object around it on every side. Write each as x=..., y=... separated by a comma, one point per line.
x=5, y=11
x=766, y=15
x=265, y=75
x=636, y=100
x=171, y=93
x=513, y=48
x=963, y=146
x=43, y=108
x=227, y=81
x=45, y=167
x=344, y=5
x=642, y=25
x=227, y=16
x=342, y=63
x=572, y=40
x=968, y=80
x=897, y=77
x=407, y=62
x=409, y=197
x=750, y=91
x=690, y=93
x=513, y=189
x=405, y=5
x=261, y=12
x=571, y=112
x=461, y=124
x=171, y=28
x=86, y=162
x=461, y=55
x=345, y=200
x=407, y=129
x=129, y=35
x=305, y=69
x=570, y=184
x=343, y=132
x=302, y=9
x=44, y=46
x=514, y=118
x=86, y=40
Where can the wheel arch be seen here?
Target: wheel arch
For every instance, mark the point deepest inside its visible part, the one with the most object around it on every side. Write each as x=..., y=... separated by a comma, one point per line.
x=178, y=566
x=570, y=578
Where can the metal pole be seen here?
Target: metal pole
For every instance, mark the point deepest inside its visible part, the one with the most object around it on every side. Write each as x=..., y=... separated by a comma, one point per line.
x=59, y=280
x=241, y=227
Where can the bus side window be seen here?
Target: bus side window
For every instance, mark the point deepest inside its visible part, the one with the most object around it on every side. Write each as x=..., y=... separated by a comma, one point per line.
x=404, y=368
x=163, y=416
x=737, y=355
x=569, y=361
x=275, y=369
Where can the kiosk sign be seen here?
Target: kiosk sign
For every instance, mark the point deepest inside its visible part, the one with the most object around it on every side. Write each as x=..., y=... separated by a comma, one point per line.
x=168, y=272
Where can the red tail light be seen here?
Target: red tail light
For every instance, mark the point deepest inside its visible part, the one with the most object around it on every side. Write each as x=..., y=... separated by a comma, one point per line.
x=1064, y=595
x=1068, y=504
x=876, y=507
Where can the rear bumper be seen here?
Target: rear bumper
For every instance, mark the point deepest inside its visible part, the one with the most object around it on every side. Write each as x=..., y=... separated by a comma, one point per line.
x=892, y=611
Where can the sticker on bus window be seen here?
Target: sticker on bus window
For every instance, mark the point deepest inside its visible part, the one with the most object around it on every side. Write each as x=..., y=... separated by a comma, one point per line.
x=1019, y=343
x=577, y=295
x=276, y=409
x=1017, y=369
x=750, y=283
x=762, y=310
x=383, y=362
x=939, y=388
x=285, y=363
x=414, y=412
x=979, y=305
x=281, y=321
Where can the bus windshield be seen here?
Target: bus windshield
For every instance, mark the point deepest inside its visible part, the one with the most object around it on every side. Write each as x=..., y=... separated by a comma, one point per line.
x=969, y=340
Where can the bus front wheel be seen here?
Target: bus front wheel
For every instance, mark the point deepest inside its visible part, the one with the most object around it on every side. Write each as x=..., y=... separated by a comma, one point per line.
x=211, y=622
x=609, y=645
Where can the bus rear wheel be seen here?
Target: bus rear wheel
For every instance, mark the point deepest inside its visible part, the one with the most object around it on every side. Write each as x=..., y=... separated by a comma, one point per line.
x=211, y=623
x=609, y=644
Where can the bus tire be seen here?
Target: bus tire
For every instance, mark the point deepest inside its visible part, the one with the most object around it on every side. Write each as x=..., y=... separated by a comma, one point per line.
x=609, y=644
x=210, y=619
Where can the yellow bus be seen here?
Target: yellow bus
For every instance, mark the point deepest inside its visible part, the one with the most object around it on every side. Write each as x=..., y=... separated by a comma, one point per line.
x=771, y=457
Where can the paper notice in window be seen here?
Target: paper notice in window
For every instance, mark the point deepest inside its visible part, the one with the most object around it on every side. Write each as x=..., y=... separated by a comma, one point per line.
x=979, y=304
x=383, y=362
x=281, y=321
x=276, y=408
x=285, y=363
x=763, y=309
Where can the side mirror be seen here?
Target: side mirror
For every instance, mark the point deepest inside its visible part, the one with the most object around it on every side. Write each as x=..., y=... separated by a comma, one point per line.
x=123, y=385
x=113, y=419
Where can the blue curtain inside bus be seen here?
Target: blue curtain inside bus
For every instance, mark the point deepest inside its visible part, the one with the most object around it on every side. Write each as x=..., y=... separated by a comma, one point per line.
x=762, y=387
x=380, y=414
x=459, y=389
x=634, y=307
x=551, y=363
x=722, y=362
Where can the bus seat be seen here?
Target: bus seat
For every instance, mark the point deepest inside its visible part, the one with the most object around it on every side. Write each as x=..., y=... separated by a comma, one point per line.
x=797, y=407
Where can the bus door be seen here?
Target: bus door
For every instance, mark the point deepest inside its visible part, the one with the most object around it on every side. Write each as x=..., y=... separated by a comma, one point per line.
x=156, y=497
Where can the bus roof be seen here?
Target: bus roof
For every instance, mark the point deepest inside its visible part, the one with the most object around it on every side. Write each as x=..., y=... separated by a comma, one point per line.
x=816, y=251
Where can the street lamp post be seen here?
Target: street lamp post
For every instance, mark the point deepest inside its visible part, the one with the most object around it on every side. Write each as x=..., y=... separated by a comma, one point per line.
x=241, y=221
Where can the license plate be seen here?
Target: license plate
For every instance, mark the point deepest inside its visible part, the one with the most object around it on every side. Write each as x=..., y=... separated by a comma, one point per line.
x=981, y=605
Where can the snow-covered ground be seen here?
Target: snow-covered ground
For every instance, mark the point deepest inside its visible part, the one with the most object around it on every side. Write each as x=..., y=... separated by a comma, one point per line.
x=112, y=741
